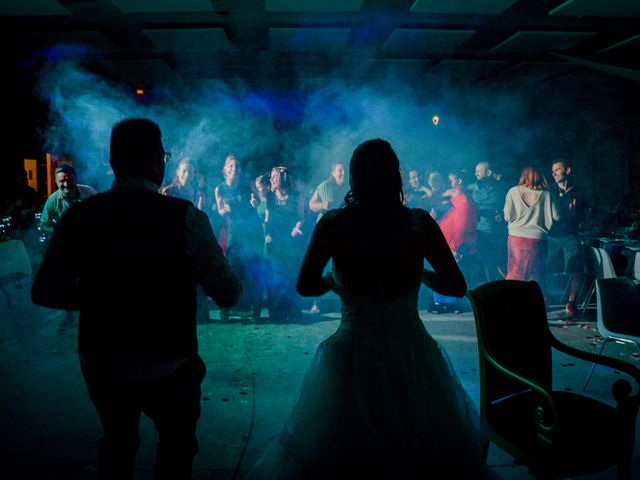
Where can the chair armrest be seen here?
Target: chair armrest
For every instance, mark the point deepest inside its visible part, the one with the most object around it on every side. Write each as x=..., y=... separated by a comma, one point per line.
x=545, y=418
x=615, y=363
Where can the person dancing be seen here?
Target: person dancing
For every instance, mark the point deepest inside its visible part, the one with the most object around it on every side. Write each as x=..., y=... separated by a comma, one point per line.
x=184, y=184
x=284, y=238
x=530, y=213
x=243, y=237
x=458, y=226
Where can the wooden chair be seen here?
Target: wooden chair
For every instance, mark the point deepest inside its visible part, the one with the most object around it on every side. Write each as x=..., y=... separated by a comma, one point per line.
x=554, y=433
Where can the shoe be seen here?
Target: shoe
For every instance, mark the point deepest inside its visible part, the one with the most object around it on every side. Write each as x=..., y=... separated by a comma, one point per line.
x=571, y=308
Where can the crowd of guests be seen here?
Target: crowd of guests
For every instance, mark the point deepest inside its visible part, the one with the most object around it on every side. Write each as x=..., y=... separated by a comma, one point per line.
x=495, y=229
x=498, y=230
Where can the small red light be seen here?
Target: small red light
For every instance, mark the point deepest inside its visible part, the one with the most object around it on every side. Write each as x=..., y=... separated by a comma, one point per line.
x=435, y=119
x=139, y=91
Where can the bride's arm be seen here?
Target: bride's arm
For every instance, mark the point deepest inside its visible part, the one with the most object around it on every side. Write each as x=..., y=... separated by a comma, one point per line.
x=446, y=277
x=310, y=280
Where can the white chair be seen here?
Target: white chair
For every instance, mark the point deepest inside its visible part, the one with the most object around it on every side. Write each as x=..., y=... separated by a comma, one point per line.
x=618, y=313
x=599, y=266
x=636, y=267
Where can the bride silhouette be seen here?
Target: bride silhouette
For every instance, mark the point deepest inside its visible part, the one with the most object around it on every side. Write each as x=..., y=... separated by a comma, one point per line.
x=380, y=399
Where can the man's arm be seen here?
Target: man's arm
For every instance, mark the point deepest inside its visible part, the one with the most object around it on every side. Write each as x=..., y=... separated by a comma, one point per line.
x=212, y=268
x=315, y=205
x=48, y=216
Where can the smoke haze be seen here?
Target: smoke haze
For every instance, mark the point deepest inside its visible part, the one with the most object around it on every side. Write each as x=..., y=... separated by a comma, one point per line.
x=309, y=124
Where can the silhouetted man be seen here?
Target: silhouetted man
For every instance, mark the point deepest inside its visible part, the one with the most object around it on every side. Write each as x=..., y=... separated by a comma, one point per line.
x=129, y=260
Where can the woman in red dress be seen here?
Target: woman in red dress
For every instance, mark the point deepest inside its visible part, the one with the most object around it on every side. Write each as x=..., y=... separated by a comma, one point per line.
x=458, y=226
x=459, y=223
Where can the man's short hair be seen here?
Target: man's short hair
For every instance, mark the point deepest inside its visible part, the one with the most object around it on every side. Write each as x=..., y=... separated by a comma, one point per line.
x=563, y=161
x=66, y=168
x=486, y=165
x=134, y=142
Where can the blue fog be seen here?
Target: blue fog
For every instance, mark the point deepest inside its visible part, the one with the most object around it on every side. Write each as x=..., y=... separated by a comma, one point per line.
x=306, y=126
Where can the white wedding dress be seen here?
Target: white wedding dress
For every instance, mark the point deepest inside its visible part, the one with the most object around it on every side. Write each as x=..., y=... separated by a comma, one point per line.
x=379, y=400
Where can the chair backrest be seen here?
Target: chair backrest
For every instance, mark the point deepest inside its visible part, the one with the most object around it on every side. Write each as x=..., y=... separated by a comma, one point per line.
x=636, y=266
x=618, y=308
x=599, y=263
x=511, y=322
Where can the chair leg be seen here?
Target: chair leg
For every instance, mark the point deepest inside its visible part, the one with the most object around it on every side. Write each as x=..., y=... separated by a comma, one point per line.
x=586, y=301
x=593, y=365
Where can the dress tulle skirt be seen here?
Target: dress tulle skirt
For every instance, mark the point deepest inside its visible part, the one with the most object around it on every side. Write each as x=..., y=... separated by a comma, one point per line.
x=380, y=400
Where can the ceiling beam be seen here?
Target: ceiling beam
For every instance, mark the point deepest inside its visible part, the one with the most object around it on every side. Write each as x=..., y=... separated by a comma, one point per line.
x=628, y=73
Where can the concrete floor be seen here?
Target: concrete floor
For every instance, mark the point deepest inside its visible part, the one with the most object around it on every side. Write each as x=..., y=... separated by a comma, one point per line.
x=48, y=425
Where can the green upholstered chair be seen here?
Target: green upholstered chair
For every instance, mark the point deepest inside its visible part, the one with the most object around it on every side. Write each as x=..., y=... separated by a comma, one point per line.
x=554, y=433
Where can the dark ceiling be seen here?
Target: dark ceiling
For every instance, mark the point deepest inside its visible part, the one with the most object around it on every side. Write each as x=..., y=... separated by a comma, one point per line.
x=141, y=42
x=566, y=63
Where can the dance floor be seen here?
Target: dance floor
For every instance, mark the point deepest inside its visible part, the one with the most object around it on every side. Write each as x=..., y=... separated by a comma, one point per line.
x=49, y=426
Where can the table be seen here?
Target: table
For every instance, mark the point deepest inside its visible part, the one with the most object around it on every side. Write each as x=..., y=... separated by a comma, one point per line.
x=623, y=253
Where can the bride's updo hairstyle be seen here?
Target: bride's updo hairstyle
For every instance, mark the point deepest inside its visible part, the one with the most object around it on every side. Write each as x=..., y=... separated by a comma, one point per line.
x=374, y=176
